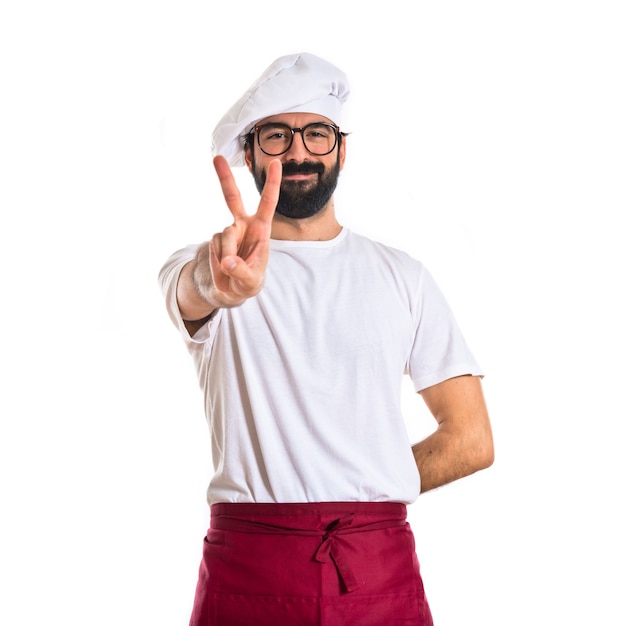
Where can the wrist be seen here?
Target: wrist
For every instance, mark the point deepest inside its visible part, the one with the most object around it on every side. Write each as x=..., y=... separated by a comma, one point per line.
x=209, y=293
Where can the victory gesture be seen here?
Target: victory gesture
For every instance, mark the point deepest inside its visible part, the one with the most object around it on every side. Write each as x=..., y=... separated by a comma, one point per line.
x=230, y=268
x=239, y=254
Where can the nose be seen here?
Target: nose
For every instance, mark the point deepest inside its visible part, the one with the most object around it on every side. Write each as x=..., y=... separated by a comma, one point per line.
x=297, y=151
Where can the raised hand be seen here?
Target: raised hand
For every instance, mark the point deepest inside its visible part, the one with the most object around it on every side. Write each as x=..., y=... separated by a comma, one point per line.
x=238, y=256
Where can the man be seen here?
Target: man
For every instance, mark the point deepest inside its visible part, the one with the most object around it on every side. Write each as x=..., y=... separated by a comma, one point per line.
x=301, y=332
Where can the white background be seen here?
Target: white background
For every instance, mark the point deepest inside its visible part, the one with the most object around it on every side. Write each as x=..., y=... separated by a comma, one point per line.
x=488, y=141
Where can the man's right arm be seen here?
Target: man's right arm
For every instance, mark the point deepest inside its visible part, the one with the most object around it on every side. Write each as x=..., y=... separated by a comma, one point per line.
x=230, y=268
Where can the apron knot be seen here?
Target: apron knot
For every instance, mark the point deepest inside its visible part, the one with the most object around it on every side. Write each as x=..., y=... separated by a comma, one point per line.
x=330, y=547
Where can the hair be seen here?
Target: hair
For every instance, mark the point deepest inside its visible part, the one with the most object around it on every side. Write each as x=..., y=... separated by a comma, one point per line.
x=248, y=140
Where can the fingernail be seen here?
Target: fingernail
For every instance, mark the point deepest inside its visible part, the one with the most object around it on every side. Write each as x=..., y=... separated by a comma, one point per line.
x=230, y=263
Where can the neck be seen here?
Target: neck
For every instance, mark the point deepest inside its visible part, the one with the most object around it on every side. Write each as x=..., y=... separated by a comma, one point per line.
x=320, y=227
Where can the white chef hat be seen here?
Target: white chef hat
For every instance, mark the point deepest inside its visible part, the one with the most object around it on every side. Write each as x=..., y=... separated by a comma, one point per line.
x=293, y=83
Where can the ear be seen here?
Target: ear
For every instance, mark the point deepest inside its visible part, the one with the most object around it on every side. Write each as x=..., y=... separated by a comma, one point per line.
x=248, y=156
x=342, y=152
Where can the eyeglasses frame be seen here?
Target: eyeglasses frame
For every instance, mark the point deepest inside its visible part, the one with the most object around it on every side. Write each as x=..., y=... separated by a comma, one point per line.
x=300, y=130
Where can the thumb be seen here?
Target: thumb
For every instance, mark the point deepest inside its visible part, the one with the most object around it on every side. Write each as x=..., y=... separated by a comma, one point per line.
x=229, y=264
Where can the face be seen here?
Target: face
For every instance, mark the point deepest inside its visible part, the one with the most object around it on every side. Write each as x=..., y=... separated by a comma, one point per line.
x=309, y=181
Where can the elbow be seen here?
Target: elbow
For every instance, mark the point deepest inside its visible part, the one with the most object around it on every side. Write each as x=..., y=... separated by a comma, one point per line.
x=488, y=459
x=485, y=452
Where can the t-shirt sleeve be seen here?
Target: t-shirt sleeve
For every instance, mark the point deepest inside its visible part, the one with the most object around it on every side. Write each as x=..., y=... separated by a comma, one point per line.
x=439, y=349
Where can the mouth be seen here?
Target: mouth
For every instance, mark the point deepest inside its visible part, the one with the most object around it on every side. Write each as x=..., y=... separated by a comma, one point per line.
x=299, y=176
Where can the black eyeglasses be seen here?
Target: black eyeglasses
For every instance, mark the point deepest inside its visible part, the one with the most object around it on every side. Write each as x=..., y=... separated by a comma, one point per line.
x=275, y=139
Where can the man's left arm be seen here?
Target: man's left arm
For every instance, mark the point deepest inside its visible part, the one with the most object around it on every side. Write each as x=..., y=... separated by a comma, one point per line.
x=463, y=442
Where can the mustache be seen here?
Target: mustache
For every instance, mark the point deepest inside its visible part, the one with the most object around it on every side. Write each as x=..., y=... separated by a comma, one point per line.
x=302, y=168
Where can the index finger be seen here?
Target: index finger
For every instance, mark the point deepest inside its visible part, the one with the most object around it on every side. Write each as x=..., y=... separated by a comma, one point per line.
x=229, y=187
x=271, y=190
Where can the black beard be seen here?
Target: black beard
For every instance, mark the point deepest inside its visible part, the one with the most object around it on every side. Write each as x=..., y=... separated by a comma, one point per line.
x=294, y=201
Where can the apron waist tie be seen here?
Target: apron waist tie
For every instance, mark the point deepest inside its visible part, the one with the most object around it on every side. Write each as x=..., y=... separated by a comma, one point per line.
x=329, y=546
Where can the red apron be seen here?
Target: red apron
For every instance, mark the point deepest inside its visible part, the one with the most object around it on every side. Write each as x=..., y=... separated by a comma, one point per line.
x=320, y=564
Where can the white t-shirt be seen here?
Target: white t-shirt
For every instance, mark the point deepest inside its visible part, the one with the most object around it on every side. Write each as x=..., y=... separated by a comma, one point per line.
x=302, y=383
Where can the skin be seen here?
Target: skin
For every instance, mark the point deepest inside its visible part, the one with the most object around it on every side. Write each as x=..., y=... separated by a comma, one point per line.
x=230, y=268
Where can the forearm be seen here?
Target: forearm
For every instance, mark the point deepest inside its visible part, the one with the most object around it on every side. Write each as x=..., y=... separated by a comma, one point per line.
x=193, y=303
x=443, y=457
